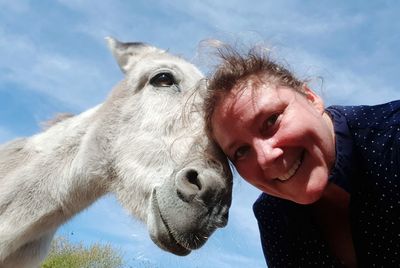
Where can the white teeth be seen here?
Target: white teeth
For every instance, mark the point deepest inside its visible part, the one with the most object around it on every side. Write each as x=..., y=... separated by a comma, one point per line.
x=291, y=171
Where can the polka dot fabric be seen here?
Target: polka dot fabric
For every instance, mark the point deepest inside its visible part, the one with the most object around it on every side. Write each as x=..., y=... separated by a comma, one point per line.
x=368, y=167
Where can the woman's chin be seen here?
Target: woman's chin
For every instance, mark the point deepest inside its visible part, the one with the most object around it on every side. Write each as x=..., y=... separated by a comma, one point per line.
x=313, y=191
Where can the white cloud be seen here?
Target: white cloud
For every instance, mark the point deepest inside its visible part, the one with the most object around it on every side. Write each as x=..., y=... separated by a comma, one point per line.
x=352, y=89
x=285, y=27
x=342, y=84
x=74, y=81
x=264, y=16
x=154, y=22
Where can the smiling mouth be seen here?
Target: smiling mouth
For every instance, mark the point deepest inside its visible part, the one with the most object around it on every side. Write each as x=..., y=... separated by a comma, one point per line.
x=293, y=169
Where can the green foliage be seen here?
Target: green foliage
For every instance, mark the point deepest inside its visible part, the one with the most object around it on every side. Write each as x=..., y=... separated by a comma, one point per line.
x=64, y=254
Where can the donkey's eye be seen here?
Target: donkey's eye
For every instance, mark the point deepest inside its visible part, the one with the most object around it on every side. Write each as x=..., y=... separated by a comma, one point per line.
x=163, y=80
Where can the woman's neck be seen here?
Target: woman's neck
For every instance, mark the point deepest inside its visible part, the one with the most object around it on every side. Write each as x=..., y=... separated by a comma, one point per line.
x=331, y=213
x=329, y=123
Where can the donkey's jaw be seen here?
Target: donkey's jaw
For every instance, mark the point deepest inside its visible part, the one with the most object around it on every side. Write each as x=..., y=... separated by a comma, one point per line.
x=159, y=231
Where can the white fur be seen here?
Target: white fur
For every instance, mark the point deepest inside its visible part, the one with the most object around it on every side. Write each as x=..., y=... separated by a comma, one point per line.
x=138, y=144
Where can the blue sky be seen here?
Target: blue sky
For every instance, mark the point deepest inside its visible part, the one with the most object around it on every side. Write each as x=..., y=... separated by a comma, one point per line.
x=53, y=58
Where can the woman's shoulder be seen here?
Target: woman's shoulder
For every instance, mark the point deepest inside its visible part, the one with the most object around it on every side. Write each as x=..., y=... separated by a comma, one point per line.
x=380, y=116
x=374, y=131
x=268, y=206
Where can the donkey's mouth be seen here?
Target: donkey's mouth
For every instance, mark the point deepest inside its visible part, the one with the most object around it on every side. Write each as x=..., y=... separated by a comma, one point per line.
x=161, y=233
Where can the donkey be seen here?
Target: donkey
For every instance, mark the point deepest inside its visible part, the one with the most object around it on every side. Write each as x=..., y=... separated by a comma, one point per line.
x=145, y=143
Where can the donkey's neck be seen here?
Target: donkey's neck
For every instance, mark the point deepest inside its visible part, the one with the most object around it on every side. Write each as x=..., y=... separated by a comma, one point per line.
x=49, y=178
x=70, y=151
x=69, y=131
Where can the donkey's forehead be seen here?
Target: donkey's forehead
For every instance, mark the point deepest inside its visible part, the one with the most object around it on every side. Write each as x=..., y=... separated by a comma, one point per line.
x=167, y=60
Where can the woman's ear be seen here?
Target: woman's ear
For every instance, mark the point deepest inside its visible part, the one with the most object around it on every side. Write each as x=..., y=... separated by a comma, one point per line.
x=314, y=99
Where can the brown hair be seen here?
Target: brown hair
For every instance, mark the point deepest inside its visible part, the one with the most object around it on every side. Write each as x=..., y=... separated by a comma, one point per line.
x=236, y=68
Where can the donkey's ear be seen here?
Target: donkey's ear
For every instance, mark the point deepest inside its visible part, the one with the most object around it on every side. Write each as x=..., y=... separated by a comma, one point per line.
x=127, y=54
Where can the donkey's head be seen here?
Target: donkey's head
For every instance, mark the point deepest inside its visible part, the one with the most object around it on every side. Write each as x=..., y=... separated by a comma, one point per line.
x=165, y=171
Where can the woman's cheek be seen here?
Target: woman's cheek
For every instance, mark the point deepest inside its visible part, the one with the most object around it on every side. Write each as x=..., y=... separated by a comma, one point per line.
x=244, y=171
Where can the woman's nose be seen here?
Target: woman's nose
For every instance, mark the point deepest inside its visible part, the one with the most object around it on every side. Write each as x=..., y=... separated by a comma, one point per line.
x=267, y=153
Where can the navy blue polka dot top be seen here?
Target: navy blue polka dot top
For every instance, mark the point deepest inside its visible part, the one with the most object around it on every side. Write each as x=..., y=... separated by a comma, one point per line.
x=367, y=166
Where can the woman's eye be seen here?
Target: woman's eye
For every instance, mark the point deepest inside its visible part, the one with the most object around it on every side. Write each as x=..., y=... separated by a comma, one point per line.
x=272, y=119
x=163, y=80
x=241, y=152
x=270, y=122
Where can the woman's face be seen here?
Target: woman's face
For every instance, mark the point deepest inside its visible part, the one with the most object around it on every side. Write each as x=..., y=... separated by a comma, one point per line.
x=279, y=140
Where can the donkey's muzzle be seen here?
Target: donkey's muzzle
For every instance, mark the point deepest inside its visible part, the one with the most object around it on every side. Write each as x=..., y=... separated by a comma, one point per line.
x=205, y=187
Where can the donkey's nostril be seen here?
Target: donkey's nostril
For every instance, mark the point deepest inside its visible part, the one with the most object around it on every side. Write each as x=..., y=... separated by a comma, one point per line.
x=188, y=184
x=193, y=178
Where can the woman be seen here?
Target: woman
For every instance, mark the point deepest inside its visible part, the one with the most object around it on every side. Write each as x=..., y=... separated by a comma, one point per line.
x=329, y=176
